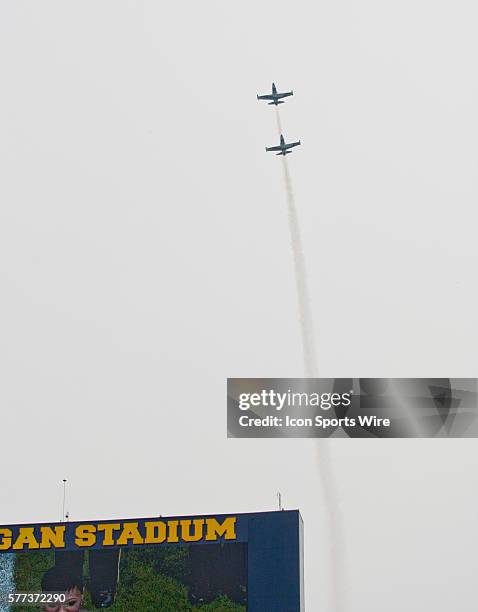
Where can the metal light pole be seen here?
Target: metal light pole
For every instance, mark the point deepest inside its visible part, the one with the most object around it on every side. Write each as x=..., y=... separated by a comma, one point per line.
x=279, y=499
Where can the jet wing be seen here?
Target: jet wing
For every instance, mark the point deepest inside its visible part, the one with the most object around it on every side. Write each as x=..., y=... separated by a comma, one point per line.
x=273, y=148
x=292, y=144
x=266, y=97
x=285, y=94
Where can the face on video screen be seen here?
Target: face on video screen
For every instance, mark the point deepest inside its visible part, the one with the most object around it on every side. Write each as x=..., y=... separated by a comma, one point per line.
x=72, y=602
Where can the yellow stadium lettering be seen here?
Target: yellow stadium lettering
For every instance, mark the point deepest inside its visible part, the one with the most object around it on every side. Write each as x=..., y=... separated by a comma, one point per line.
x=108, y=528
x=186, y=535
x=216, y=530
x=173, y=531
x=155, y=532
x=5, y=539
x=85, y=535
x=26, y=536
x=130, y=532
x=52, y=537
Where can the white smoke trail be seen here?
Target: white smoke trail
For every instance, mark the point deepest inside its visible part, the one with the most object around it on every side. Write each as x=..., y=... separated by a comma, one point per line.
x=336, y=531
x=332, y=508
x=305, y=316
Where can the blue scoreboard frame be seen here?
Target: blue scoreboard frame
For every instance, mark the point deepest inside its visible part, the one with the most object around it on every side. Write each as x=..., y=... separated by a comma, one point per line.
x=274, y=546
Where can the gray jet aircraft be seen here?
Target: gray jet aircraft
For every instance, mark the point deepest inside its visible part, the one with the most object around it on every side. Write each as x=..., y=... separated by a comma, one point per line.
x=283, y=146
x=275, y=96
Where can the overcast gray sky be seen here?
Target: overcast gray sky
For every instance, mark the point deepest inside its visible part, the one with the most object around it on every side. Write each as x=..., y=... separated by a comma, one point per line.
x=145, y=257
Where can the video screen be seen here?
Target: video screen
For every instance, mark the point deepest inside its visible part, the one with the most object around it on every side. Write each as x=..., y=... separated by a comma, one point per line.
x=186, y=578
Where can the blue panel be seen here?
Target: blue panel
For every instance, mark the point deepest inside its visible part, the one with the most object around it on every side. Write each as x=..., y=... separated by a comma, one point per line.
x=274, y=562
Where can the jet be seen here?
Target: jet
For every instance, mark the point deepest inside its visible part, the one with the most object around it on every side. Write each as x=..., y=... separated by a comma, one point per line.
x=275, y=97
x=283, y=146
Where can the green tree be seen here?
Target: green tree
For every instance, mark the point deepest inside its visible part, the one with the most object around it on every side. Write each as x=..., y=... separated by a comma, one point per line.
x=221, y=604
x=142, y=589
x=28, y=572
